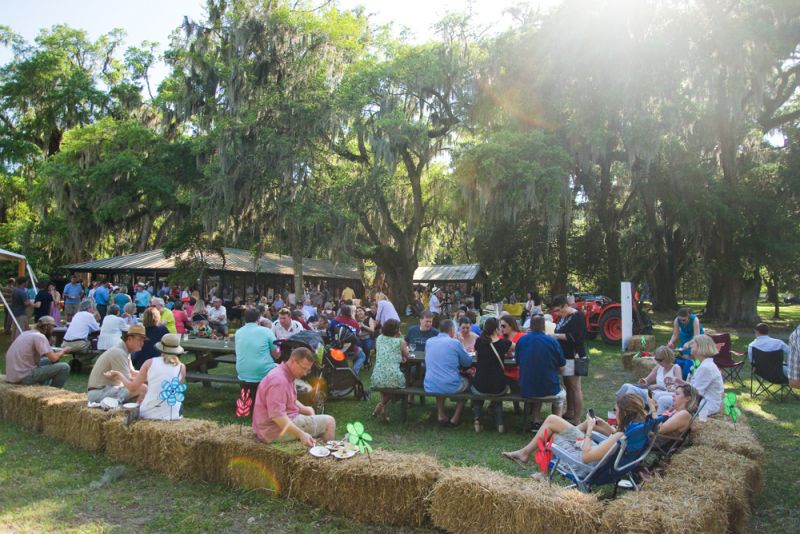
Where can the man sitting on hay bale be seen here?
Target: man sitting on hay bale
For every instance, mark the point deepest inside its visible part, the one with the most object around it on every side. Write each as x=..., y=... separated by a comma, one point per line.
x=118, y=358
x=31, y=360
x=278, y=415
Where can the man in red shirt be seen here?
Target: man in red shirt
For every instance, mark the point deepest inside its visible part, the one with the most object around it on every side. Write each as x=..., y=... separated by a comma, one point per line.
x=278, y=415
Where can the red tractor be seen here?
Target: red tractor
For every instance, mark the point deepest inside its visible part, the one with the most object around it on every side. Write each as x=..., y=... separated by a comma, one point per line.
x=603, y=315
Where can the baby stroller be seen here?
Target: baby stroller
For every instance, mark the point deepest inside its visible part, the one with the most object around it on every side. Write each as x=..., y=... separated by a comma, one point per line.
x=336, y=372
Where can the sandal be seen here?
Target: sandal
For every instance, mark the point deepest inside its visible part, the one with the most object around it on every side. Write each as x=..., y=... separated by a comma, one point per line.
x=509, y=456
x=379, y=410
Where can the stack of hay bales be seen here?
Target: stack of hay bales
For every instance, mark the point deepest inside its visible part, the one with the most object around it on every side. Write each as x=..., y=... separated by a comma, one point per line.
x=23, y=404
x=385, y=488
x=642, y=343
x=232, y=455
x=170, y=447
x=723, y=435
x=641, y=367
x=69, y=419
x=627, y=360
x=475, y=499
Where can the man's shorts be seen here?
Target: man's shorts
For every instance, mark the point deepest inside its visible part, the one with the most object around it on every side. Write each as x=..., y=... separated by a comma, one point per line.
x=120, y=393
x=569, y=368
x=314, y=425
x=71, y=309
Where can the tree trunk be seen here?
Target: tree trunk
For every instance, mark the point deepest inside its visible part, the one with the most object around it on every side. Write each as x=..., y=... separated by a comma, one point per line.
x=399, y=270
x=663, y=292
x=771, y=281
x=732, y=299
x=297, y=265
x=559, y=286
x=607, y=218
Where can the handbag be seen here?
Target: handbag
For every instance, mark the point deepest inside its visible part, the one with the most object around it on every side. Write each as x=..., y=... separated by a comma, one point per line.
x=582, y=366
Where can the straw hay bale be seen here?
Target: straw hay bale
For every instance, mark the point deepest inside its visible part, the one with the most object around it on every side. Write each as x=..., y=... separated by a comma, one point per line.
x=627, y=360
x=69, y=419
x=675, y=507
x=722, y=434
x=387, y=488
x=232, y=455
x=22, y=404
x=635, y=343
x=475, y=499
x=641, y=367
x=166, y=446
x=6, y=390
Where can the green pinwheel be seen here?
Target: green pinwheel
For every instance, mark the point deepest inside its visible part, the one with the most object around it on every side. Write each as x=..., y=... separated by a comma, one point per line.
x=358, y=437
x=731, y=408
x=695, y=366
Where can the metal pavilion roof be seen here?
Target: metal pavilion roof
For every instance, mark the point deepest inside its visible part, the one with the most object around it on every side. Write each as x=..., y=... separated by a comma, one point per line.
x=236, y=260
x=447, y=273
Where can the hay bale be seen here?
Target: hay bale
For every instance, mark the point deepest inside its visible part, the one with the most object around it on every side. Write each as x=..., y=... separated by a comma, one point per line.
x=22, y=404
x=475, y=499
x=6, y=390
x=387, y=488
x=232, y=455
x=69, y=419
x=641, y=367
x=627, y=360
x=170, y=447
x=642, y=343
x=669, y=508
x=723, y=435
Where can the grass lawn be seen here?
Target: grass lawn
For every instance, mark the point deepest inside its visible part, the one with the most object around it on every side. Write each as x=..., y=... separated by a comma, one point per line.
x=45, y=484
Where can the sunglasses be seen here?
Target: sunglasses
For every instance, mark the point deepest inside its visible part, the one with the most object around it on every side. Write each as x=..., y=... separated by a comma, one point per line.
x=659, y=360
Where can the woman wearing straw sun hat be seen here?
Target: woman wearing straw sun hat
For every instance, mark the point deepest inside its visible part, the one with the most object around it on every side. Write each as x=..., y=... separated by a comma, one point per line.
x=165, y=376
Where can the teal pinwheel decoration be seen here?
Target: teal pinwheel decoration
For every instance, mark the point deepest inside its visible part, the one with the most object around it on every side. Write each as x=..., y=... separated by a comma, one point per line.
x=172, y=391
x=731, y=408
x=359, y=437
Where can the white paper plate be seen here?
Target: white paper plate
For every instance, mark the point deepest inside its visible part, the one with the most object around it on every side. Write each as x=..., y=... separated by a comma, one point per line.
x=131, y=405
x=109, y=403
x=319, y=452
x=344, y=454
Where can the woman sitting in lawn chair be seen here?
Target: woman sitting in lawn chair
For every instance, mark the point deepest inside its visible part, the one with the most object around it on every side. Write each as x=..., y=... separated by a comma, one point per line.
x=585, y=453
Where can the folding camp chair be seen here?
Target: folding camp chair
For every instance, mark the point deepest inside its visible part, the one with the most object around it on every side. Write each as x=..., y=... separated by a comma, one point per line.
x=767, y=370
x=729, y=367
x=619, y=463
x=665, y=445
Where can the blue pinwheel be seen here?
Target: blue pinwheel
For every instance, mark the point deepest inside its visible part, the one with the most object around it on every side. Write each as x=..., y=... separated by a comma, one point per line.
x=172, y=391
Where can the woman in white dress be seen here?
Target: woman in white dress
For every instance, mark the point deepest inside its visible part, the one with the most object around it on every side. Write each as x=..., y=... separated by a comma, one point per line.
x=112, y=328
x=165, y=377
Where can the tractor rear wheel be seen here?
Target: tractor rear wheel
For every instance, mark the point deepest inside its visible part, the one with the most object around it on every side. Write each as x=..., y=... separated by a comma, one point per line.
x=611, y=327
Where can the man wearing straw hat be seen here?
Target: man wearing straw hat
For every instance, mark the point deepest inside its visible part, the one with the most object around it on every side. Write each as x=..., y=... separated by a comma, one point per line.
x=117, y=358
x=278, y=415
x=31, y=360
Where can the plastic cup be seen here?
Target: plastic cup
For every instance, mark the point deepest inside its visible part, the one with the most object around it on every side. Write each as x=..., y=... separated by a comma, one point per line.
x=612, y=417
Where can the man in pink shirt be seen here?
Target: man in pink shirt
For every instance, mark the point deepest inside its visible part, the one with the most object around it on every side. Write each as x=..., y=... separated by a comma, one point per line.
x=278, y=416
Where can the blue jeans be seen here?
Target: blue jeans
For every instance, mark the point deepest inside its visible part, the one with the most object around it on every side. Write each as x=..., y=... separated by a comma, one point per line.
x=359, y=362
x=48, y=374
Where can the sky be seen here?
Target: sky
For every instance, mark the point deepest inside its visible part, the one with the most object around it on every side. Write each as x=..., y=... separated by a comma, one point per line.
x=154, y=20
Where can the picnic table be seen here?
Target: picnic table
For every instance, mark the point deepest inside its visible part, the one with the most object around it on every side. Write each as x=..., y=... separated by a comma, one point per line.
x=207, y=354
x=416, y=359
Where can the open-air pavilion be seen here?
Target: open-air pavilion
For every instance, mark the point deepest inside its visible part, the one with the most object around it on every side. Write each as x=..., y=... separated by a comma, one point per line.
x=240, y=269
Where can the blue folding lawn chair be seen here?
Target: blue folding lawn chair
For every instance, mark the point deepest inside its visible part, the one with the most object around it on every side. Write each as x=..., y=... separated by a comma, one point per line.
x=619, y=463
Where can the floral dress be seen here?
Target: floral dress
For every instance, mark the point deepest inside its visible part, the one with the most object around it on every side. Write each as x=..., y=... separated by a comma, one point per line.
x=387, y=373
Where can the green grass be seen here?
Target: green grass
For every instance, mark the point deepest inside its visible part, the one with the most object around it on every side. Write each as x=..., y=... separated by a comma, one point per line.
x=37, y=469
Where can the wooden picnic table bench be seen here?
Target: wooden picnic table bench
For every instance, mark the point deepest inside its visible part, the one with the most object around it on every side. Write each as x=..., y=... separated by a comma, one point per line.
x=207, y=354
x=402, y=393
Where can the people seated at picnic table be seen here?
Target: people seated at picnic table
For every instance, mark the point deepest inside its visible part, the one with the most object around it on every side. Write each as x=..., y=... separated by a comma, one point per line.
x=570, y=332
x=112, y=329
x=31, y=360
x=151, y=320
x=366, y=329
x=297, y=315
x=165, y=376
x=129, y=314
x=583, y=451
x=766, y=343
x=540, y=361
x=117, y=358
x=83, y=324
x=265, y=317
x=707, y=378
x=444, y=359
x=277, y=304
x=685, y=327
x=345, y=318
x=385, y=309
x=218, y=317
x=182, y=321
x=309, y=311
x=278, y=415
x=390, y=351
x=418, y=335
x=285, y=326
x=256, y=351
x=465, y=334
x=489, y=377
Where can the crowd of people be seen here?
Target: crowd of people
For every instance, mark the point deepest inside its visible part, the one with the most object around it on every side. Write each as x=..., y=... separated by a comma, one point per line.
x=539, y=356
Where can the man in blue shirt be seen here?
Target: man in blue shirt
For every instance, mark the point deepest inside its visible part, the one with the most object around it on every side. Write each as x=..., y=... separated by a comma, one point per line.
x=142, y=298
x=417, y=336
x=255, y=350
x=541, y=361
x=444, y=357
x=73, y=292
x=101, y=295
